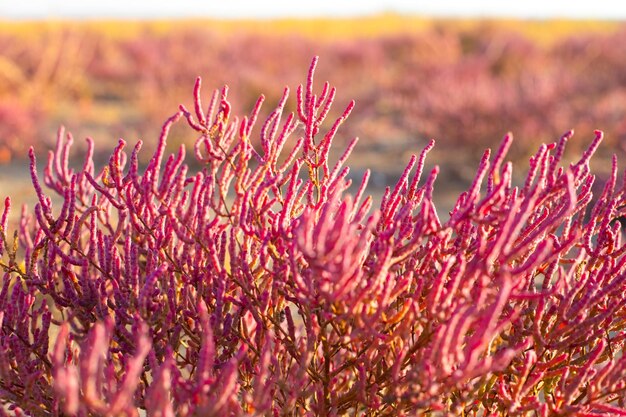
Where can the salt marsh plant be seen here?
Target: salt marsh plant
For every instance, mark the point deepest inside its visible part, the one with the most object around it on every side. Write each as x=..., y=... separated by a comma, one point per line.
x=260, y=285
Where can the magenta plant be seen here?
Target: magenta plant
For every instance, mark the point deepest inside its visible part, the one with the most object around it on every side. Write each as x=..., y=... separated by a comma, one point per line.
x=261, y=286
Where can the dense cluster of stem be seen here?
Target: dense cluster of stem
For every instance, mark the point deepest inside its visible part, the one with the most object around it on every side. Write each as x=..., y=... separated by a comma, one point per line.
x=260, y=285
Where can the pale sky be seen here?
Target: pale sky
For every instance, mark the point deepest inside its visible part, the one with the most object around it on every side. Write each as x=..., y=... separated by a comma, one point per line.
x=93, y=9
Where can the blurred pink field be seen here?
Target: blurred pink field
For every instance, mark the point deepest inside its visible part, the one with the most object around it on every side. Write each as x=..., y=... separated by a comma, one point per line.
x=463, y=83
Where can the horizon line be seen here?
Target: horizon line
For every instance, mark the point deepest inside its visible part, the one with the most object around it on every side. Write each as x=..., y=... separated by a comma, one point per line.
x=322, y=16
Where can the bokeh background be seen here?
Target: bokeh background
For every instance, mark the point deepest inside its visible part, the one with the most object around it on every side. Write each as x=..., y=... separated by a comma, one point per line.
x=464, y=73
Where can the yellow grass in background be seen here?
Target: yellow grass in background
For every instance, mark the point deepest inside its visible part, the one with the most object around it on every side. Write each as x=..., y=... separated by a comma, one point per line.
x=542, y=31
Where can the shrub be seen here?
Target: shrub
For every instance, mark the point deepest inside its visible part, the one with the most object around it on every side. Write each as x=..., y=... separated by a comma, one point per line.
x=260, y=285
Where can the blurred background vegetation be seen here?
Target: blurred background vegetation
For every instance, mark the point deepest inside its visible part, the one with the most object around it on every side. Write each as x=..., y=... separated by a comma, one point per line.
x=464, y=82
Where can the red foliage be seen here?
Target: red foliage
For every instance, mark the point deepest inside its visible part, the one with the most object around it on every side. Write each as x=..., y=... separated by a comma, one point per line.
x=259, y=286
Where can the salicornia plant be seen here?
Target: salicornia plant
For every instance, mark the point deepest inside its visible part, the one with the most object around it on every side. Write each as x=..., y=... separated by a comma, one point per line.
x=259, y=285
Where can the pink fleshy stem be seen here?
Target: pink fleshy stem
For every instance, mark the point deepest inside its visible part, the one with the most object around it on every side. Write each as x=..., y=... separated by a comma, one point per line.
x=123, y=399
x=113, y=200
x=197, y=101
x=420, y=167
x=391, y=206
x=199, y=127
x=3, y=223
x=309, y=102
x=558, y=155
x=328, y=138
x=38, y=190
x=328, y=102
x=586, y=157
x=344, y=157
x=497, y=161
x=292, y=155
x=535, y=162
x=158, y=155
